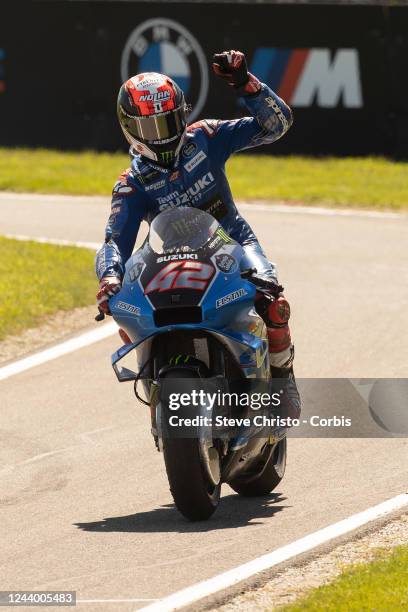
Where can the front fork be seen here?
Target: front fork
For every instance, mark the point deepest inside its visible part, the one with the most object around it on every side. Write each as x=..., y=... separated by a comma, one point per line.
x=154, y=416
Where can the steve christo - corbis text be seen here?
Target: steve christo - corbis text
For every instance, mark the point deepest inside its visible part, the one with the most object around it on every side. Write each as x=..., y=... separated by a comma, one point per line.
x=258, y=420
x=253, y=401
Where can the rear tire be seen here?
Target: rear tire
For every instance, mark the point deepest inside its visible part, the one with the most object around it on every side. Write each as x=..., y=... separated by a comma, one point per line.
x=195, y=496
x=270, y=473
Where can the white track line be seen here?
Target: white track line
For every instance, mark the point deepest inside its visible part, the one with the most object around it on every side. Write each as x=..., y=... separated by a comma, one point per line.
x=242, y=572
x=60, y=242
x=318, y=210
x=69, y=346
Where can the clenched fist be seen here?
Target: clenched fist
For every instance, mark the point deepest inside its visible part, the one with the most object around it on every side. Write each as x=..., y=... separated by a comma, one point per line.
x=232, y=66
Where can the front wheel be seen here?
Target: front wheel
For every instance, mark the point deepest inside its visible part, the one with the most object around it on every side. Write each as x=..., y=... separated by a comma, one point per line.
x=269, y=474
x=195, y=493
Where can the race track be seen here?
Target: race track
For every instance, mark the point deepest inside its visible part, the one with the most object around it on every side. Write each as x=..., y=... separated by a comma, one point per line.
x=83, y=493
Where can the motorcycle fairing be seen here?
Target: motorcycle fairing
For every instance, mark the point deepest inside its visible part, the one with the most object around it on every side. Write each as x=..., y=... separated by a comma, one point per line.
x=238, y=345
x=180, y=281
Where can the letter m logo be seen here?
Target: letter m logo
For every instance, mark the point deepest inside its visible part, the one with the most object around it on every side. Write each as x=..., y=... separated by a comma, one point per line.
x=304, y=77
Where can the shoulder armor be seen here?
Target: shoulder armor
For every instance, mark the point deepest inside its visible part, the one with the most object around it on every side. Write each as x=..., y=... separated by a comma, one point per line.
x=209, y=126
x=123, y=186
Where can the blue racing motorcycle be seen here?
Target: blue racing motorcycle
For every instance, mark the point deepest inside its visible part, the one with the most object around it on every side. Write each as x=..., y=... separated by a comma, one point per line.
x=192, y=332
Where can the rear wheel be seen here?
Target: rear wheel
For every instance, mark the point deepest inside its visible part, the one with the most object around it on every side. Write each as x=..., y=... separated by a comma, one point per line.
x=194, y=475
x=268, y=474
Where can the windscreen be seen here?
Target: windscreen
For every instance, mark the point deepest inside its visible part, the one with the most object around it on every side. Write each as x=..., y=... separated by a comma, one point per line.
x=181, y=230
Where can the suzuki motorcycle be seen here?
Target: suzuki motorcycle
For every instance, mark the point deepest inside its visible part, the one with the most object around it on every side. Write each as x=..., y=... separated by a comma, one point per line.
x=187, y=315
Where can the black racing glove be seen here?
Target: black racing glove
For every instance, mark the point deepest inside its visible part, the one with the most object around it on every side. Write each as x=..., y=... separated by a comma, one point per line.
x=232, y=66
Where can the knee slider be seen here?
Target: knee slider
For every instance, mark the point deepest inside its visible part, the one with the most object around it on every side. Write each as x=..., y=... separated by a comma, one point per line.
x=278, y=315
x=278, y=312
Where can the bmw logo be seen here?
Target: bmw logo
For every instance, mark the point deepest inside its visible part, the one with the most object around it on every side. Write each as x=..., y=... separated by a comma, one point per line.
x=165, y=46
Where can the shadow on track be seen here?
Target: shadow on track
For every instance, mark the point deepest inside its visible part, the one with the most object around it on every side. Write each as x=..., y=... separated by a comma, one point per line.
x=233, y=511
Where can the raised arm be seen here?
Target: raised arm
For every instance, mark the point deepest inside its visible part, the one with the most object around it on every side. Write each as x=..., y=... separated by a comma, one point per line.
x=270, y=117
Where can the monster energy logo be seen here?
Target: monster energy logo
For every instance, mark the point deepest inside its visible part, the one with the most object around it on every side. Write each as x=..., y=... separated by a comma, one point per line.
x=223, y=235
x=179, y=359
x=167, y=156
x=181, y=227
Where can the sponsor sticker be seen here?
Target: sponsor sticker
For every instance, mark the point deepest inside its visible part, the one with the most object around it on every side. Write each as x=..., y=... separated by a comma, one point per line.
x=189, y=149
x=215, y=207
x=226, y=263
x=156, y=96
x=191, y=196
x=223, y=235
x=155, y=186
x=176, y=257
x=128, y=308
x=231, y=297
x=215, y=243
x=197, y=159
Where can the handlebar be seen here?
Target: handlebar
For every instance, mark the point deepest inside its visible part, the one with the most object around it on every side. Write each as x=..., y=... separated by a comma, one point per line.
x=260, y=283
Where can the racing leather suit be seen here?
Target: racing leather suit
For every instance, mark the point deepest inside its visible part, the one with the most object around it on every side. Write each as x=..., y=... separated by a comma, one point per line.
x=197, y=179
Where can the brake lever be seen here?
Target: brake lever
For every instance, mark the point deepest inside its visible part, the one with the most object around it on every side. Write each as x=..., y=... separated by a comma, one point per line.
x=272, y=288
x=248, y=273
x=261, y=283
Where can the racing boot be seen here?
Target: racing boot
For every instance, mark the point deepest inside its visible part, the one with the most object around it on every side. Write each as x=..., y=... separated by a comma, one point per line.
x=291, y=402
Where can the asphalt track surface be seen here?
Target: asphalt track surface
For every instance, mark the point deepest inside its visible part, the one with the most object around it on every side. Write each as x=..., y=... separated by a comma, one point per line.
x=84, y=499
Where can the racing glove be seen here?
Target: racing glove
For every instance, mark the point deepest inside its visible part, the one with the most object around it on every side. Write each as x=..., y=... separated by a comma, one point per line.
x=232, y=66
x=108, y=287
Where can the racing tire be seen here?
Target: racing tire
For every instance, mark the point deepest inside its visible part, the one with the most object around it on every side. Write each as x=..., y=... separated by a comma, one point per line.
x=195, y=496
x=269, y=475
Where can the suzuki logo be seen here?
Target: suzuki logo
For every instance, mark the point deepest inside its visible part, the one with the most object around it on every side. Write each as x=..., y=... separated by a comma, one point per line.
x=303, y=77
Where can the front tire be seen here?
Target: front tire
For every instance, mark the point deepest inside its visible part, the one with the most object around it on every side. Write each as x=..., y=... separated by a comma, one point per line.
x=269, y=475
x=195, y=497
x=194, y=494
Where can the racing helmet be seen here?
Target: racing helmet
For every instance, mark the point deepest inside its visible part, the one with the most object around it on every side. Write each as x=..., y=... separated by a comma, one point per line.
x=152, y=113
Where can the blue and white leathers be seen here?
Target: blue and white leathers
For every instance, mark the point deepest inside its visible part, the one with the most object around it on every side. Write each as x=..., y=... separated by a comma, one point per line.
x=197, y=179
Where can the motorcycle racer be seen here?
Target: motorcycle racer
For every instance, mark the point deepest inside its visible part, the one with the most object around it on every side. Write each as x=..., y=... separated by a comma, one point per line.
x=176, y=164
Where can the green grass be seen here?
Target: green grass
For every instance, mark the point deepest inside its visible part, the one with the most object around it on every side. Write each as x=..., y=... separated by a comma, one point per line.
x=41, y=279
x=378, y=586
x=43, y=171
x=370, y=182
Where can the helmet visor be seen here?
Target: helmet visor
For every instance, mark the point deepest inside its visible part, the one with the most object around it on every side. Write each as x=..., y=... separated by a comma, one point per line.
x=158, y=128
